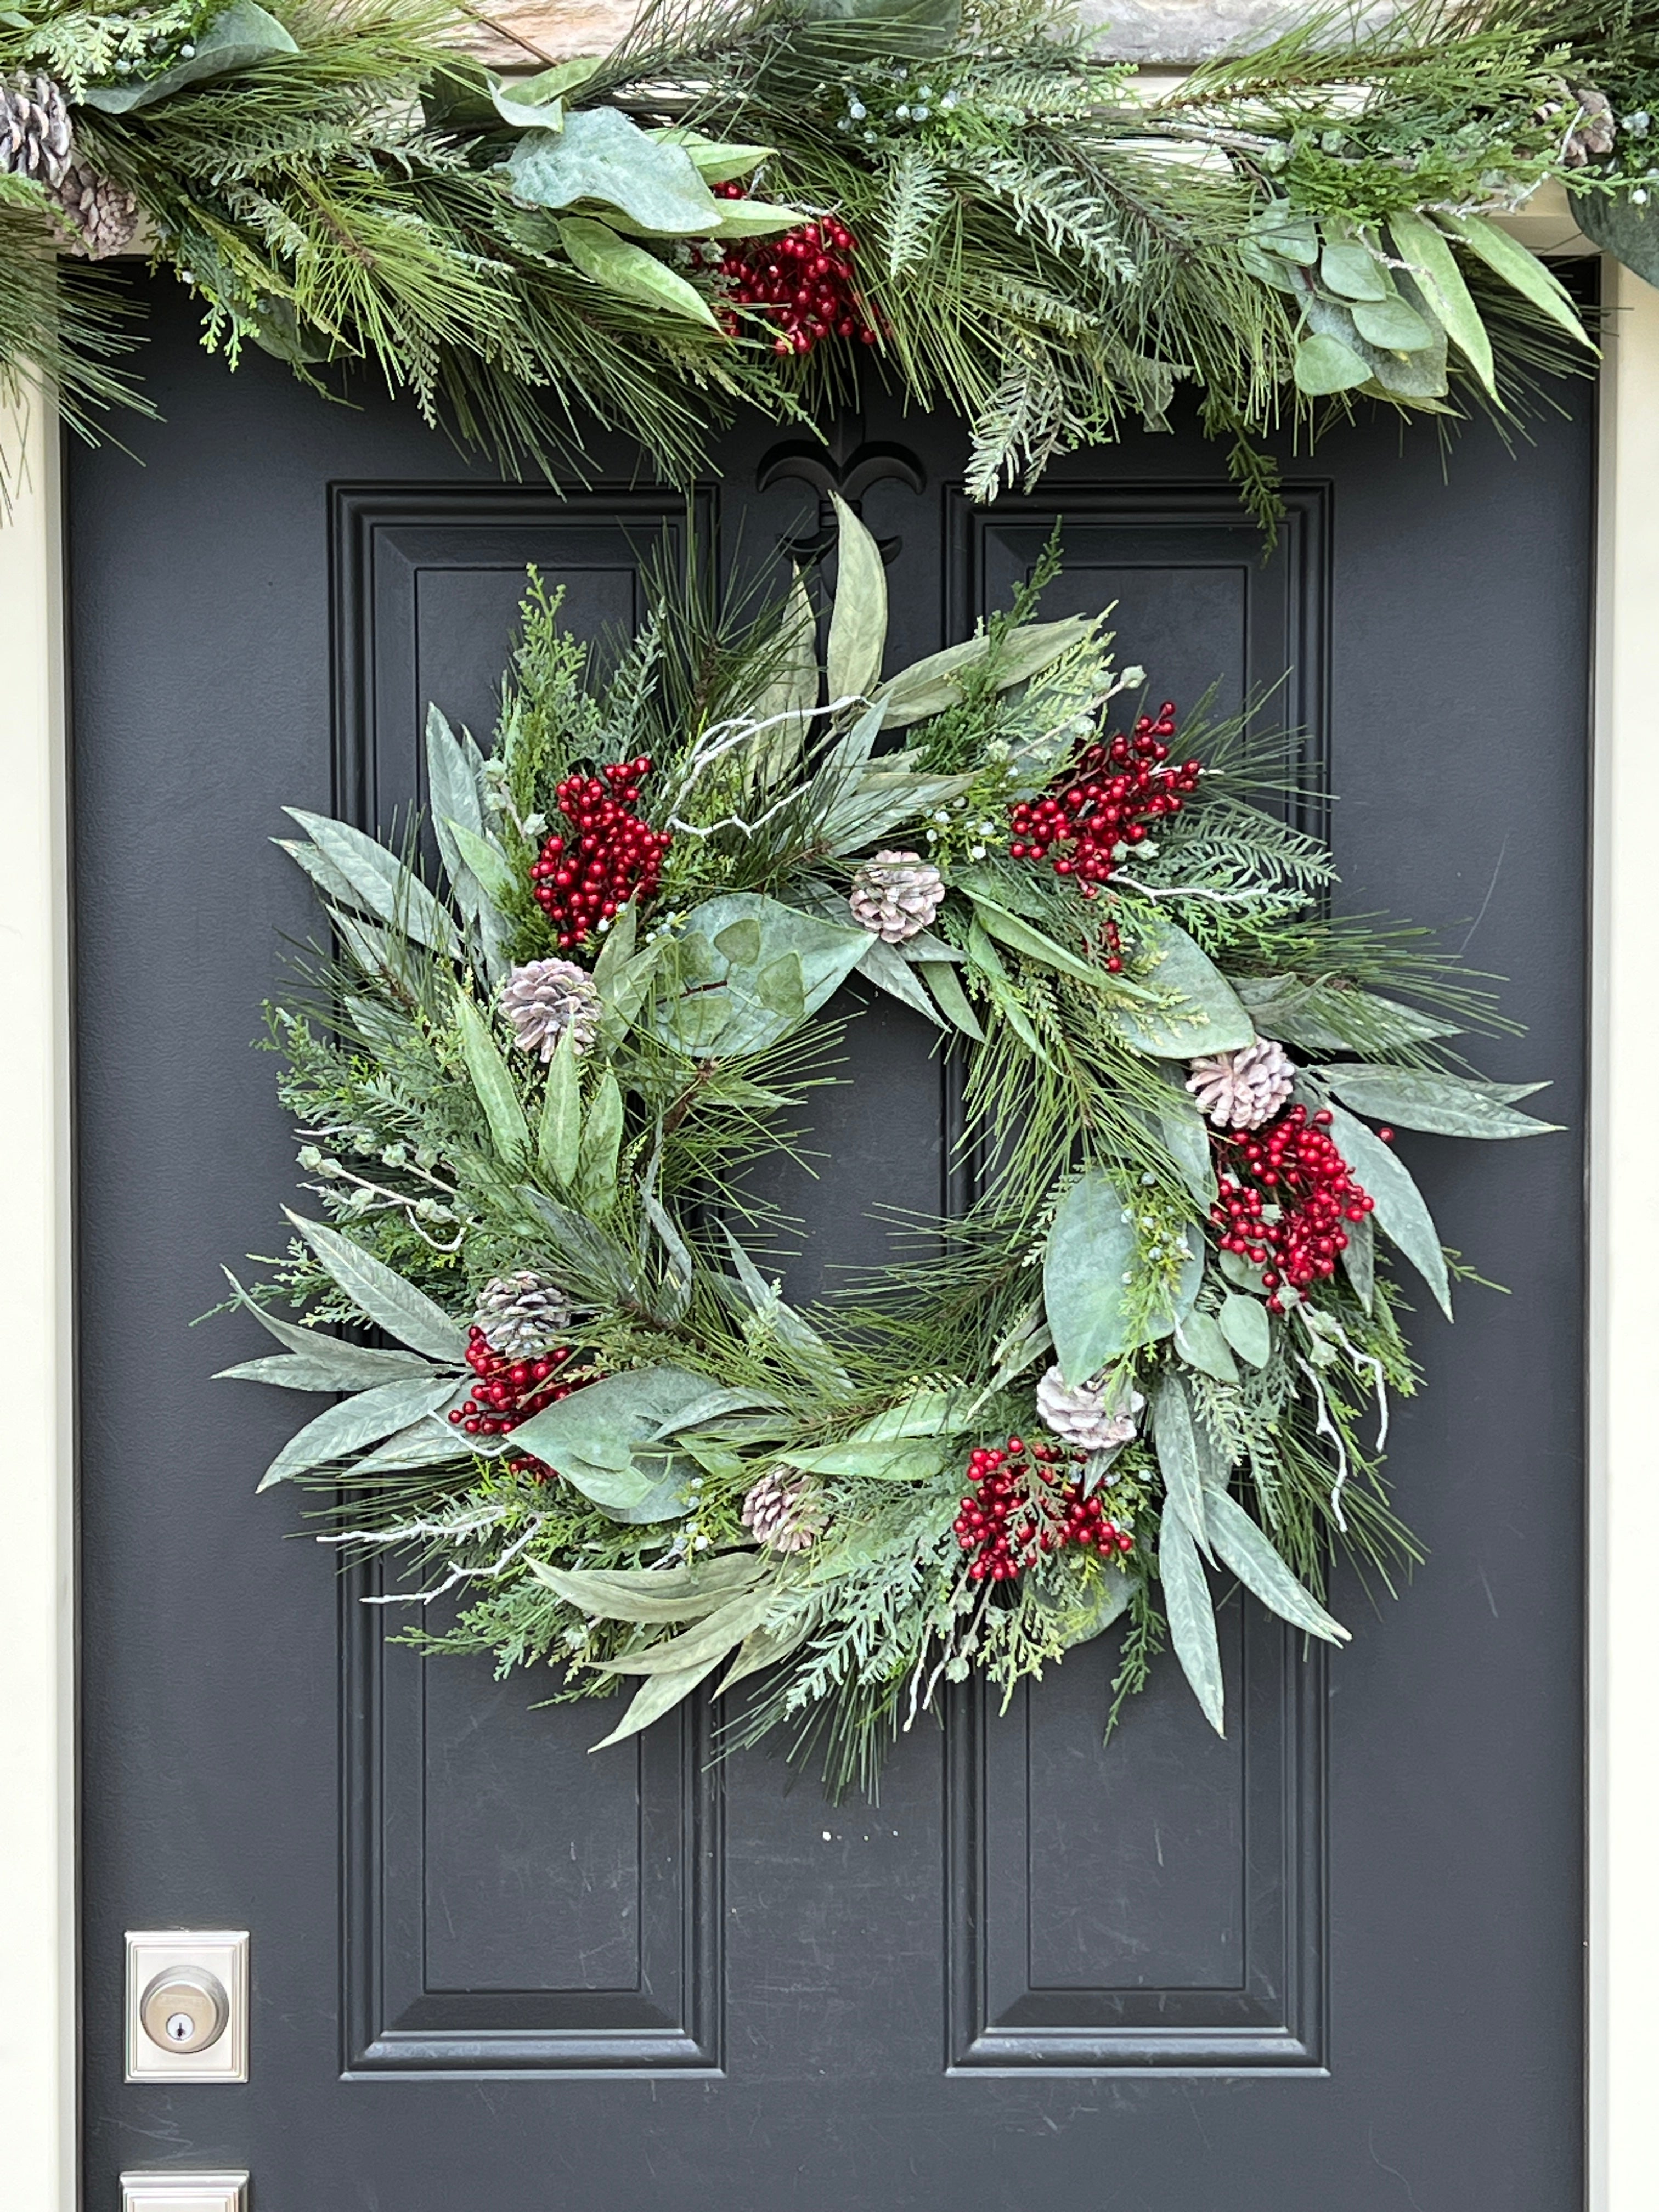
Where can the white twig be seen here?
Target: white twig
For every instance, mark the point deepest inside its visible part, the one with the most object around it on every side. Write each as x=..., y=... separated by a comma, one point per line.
x=1326, y=1427
x=1189, y=891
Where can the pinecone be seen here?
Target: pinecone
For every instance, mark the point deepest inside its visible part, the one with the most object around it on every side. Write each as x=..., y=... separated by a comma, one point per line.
x=895, y=895
x=778, y=1512
x=1243, y=1089
x=1083, y=1414
x=36, y=137
x=1595, y=130
x=102, y=216
x=522, y=1316
x=548, y=997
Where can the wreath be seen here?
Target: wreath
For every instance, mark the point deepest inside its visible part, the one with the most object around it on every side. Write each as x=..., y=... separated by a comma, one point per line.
x=743, y=202
x=1159, y=1338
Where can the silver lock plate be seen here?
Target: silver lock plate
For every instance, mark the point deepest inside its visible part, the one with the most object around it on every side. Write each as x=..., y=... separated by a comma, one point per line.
x=187, y=2002
x=184, y=2192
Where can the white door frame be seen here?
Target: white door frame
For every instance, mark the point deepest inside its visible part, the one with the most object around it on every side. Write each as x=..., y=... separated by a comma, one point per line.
x=38, y=1978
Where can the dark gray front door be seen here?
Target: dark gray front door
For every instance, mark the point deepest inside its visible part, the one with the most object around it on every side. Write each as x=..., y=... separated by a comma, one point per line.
x=1330, y=1964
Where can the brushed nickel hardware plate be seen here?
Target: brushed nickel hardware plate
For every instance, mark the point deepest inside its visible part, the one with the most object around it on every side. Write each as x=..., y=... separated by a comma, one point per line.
x=186, y=2006
x=184, y=2192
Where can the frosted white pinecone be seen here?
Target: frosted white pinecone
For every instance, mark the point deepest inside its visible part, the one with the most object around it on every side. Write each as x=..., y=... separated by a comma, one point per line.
x=778, y=1512
x=36, y=137
x=895, y=895
x=522, y=1315
x=1243, y=1089
x=1081, y=1413
x=100, y=217
x=545, y=998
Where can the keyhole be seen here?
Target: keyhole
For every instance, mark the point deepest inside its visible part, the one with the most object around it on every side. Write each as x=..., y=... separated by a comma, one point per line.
x=180, y=2028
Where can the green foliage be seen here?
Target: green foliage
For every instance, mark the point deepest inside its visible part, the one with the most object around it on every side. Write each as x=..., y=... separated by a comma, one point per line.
x=1042, y=245
x=605, y=1536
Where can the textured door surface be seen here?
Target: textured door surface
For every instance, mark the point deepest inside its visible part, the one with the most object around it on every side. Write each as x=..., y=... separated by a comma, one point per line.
x=1330, y=1964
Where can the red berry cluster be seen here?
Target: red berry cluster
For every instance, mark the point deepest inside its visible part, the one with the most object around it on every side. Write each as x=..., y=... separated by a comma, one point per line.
x=585, y=878
x=805, y=280
x=1105, y=798
x=509, y=1391
x=1291, y=1163
x=1022, y=1504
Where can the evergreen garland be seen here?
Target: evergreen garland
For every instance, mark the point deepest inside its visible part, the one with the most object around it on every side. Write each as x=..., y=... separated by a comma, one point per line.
x=1164, y=1332
x=1034, y=241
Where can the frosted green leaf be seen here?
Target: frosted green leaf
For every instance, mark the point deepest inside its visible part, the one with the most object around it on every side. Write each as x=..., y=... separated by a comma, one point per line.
x=344, y=1429
x=237, y=39
x=1401, y=1212
x=711, y=1637
x=1418, y=1099
x=1091, y=1250
x=1392, y=323
x=1244, y=1322
x=600, y=1147
x=1201, y=1343
x=492, y=1080
x=536, y=103
x=858, y=621
x=1241, y=1546
x=1191, y=1615
x=1534, y=279
x=630, y=271
x=654, y=1595
x=1178, y=1460
x=601, y=156
x=725, y=1010
x=718, y=162
x=1324, y=365
x=1204, y=1014
x=930, y=686
x=1424, y=250
x=1353, y=273
x=383, y=1295
x=559, y=1137
x=657, y=1695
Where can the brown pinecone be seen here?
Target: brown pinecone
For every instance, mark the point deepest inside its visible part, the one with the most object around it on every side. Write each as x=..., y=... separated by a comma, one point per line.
x=778, y=1512
x=1081, y=1414
x=102, y=216
x=1241, y=1090
x=522, y=1315
x=895, y=895
x=544, y=998
x=1594, y=132
x=36, y=137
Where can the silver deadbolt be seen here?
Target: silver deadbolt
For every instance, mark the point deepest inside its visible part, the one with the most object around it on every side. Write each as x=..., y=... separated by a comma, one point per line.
x=185, y=2009
x=187, y=2004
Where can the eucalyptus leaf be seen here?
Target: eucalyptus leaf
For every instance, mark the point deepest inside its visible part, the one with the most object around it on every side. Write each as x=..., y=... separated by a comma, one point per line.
x=1270, y=268
x=341, y=1429
x=600, y=1147
x=1624, y=228
x=601, y=156
x=882, y=966
x=678, y=1272
x=718, y=162
x=1323, y=364
x=1533, y=278
x=728, y=1013
x=952, y=1000
x=710, y=1638
x=916, y=1461
x=1432, y=261
x=1244, y=1322
x=931, y=686
x=1418, y=1098
x=1401, y=1212
x=611, y=1427
x=1178, y=1460
x=1359, y=1261
x=536, y=103
x=1282, y=229
x=1352, y=271
x=382, y=1294
x=655, y=1697
x=654, y=1595
x=1323, y=1017
x=509, y=1132
x=1203, y=1013
x=630, y=271
x=858, y=621
x=1392, y=323
x=238, y=38
x=1191, y=1616
x=1091, y=1250
x=559, y=1137
x=1020, y=937
x=763, y=1648
x=1415, y=377
x=430, y=1442
x=1201, y=1342
x=378, y=882
x=329, y=1363
x=1241, y=1546
x=453, y=785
